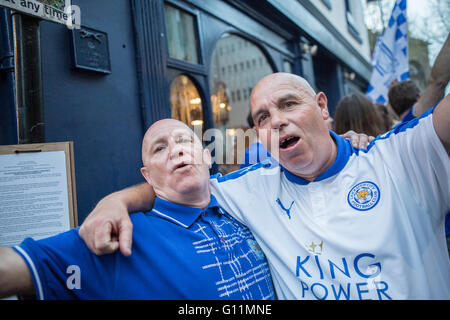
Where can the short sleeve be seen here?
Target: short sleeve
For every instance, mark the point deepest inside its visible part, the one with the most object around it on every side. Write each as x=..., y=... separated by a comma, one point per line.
x=237, y=192
x=62, y=267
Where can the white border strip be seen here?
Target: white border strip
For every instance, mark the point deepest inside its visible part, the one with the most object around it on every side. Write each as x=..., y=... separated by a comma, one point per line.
x=168, y=217
x=33, y=270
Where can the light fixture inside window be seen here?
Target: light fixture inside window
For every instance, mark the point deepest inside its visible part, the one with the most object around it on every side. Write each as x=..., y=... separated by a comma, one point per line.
x=186, y=102
x=195, y=101
x=196, y=122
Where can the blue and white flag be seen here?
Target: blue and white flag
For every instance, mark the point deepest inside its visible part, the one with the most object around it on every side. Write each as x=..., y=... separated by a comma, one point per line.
x=390, y=56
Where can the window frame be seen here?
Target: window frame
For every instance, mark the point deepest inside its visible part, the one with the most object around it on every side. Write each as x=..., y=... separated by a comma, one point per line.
x=351, y=28
x=327, y=4
x=178, y=63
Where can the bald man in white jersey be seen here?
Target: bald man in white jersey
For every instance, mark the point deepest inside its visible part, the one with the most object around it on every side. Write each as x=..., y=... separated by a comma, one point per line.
x=334, y=222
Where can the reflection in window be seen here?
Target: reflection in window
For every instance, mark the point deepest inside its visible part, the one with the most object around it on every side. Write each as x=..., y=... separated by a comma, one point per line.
x=181, y=34
x=230, y=91
x=185, y=102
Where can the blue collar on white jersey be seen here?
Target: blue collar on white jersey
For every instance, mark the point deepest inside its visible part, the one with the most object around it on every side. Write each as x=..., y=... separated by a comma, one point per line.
x=180, y=214
x=344, y=151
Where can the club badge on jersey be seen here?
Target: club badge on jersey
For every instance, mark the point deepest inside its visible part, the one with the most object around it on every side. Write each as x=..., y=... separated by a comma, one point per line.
x=364, y=196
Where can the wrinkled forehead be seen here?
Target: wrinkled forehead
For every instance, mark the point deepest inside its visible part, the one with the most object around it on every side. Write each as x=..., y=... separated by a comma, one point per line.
x=165, y=130
x=277, y=87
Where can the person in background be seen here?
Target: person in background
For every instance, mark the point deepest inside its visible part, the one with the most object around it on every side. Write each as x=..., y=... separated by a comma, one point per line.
x=356, y=112
x=390, y=118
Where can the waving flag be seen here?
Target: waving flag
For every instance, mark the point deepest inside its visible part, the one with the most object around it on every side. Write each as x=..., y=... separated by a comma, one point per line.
x=390, y=57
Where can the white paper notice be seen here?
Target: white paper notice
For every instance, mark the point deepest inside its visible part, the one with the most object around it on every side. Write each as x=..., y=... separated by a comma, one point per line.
x=33, y=196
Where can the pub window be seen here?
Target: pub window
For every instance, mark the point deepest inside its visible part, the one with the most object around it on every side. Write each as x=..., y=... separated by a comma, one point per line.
x=185, y=102
x=230, y=92
x=181, y=34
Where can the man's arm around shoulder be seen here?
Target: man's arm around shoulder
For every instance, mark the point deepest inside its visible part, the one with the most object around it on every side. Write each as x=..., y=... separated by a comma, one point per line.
x=110, y=218
x=15, y=277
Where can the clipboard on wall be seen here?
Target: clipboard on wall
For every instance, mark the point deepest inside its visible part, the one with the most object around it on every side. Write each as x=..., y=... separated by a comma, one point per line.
x=37, y=191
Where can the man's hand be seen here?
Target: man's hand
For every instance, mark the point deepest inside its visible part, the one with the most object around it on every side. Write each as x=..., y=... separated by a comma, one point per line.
x=358, y=140
x=108, y=227
x=15, y=277
x=100, y=229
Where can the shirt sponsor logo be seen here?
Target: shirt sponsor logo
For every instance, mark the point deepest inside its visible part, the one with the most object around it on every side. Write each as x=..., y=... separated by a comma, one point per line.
x=364, y=196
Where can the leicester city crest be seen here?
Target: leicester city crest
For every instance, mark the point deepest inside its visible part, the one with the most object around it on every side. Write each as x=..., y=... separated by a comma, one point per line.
x=364, y=196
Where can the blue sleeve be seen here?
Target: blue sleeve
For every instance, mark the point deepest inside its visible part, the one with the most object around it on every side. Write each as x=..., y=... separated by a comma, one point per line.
x=62, y=267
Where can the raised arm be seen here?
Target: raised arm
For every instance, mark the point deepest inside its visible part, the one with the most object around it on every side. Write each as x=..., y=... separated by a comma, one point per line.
x=438, y=80
x=108, y=227
x=15, y=277
x=441, y=122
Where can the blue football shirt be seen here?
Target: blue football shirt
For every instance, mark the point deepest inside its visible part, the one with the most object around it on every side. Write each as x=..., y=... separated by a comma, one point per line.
x=179, y=252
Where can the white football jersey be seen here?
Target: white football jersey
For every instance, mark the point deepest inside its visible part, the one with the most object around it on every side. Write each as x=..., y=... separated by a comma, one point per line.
x=370, y=227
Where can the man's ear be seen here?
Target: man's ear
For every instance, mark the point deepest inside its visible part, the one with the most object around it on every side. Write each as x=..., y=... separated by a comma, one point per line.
x=146, y=175
x=207, y=158
x=322, y=102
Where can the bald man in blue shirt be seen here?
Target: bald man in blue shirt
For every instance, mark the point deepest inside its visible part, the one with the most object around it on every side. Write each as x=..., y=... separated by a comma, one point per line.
x=186, y=247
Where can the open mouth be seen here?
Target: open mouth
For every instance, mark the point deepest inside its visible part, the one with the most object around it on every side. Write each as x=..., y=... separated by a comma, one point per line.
x=181, y=166
x=288, y=142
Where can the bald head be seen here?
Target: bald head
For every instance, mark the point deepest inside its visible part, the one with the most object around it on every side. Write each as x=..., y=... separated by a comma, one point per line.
x=153, y=133
x=280, y=79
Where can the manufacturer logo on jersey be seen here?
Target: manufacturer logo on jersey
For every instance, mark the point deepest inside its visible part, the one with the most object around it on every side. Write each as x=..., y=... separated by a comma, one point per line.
x=287, y=210
x=255, y=249
x=364, y=196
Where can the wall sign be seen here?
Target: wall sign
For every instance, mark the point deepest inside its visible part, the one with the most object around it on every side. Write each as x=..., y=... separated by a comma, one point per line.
x=59, y=11
x=91, y=50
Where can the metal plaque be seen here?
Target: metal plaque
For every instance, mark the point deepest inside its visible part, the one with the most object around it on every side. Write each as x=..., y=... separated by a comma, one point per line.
x=91, y=50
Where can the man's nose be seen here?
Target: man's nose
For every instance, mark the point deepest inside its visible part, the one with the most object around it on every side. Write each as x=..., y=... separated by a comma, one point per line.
x=277, y=120
x=176, y=150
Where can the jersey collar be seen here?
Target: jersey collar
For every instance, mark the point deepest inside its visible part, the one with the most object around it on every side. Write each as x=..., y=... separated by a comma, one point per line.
x=344, y=151
x=180, y=214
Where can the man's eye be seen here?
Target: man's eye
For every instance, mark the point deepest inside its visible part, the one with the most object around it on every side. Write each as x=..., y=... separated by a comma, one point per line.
x=262, y=118
x=159, y=148
x=289, y=104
